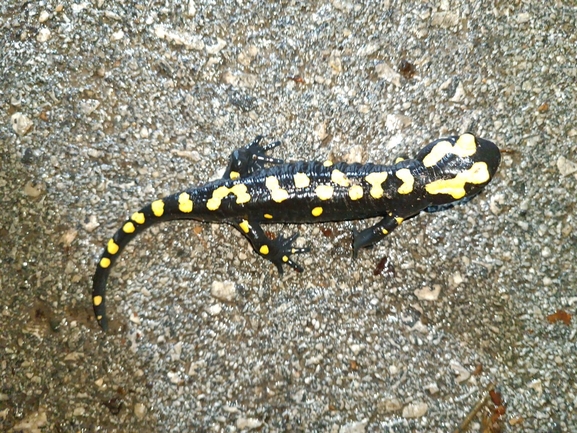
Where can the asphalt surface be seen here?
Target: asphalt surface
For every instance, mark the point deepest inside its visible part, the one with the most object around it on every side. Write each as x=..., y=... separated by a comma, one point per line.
x=108, y=105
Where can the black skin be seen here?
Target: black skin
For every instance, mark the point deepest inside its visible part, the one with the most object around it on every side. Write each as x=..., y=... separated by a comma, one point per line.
x=249, y=200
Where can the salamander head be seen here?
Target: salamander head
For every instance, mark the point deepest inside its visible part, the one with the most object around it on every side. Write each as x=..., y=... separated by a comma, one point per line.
x=458, y=167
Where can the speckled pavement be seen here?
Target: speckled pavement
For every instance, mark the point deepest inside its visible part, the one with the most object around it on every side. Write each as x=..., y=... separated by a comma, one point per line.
x=108, y=105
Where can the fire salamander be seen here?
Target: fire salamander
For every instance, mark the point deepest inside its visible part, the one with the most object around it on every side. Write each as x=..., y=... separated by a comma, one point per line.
x=443, y=173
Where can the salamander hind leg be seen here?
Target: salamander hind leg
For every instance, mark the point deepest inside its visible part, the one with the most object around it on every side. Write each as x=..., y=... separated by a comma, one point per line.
x=278, y=251
x=250, y=158
x=374, y=234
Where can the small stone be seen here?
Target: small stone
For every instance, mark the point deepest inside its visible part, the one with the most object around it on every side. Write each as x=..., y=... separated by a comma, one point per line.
x=356, y=348
x=459, y=93
x=43, y=35
x=214, y=49
x=215, y=309
x=397, y=122
x=224, y=291
x=139, y=410
x=248, y=423
x=386, y=72
x=415, y=410
x=88, y=106
x=144, y=133
x=523, y=17
x=91, y=223
x=462, y=373
x=565, y=166
x=21, y=124
x=354, y=427
x=321, y=131
x=428, y=293
x=33, y=189
x=68, y=237
x=44, y=16
x=116, y=36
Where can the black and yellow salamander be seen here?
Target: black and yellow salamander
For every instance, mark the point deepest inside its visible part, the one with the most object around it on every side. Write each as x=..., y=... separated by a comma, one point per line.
x=443, y=173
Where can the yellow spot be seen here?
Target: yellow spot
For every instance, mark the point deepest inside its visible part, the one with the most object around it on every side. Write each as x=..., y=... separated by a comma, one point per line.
x=97, y=300
x=239, y=190
x=408, y=181
x=317, y=211
x=356, y=192
x=399, y=159
x=244, y=226
x=157, y=208
x=385, y=232
x=455, y=187
x=128, y=227
x=399, y=220
x=234, y=175
x=465, y=146
x=327, y=163
x=376, y=181
x=138, y=217
x=276, y=192
x=340, y=178
x=264, y=250
x=184, y=203
x=324, y=192
x=112, y=247
x=301, y=180
x=268, y=216
x=98, y=317
x=285, y=259
x=104, y=262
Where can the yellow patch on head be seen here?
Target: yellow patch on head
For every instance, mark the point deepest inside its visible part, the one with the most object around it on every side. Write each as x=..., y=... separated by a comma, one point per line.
x=112, y=247
x=264, y=250
x=324, y=192
x=97, y=300
x=98, y=318
x=317, y=211
x=285, y=259
x=276, y=192
x=385, y=232
x=301, y=180
x=268, y=216
x=240, y=190
x=340, y=178
x=356, y=192
x=128, y=227
x=104, y=262
x=455, y=187
x=138, y=217
x=465, y=145
x=157, y=208
x=234, y=175
x=399, y=220
x=184, y=203
x=327, y=163
x=376, y=181
x=244, y=226
x=408, y=181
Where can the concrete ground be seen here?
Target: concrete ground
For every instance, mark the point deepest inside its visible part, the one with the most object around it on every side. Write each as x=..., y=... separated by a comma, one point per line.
x=107, y=105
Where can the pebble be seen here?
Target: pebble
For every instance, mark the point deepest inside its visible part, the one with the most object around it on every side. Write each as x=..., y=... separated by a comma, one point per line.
x=139, y=410
x=427, y=293
x=354, y=427
x=21, y=124
x=223, y=291
x=43, y=35
x=415, y=410
x=386, y=72
x=248, y=423
x=565, y=166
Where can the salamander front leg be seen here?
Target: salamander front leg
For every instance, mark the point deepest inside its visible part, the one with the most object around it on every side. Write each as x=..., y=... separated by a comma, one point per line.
x=372, y=235
x=250, y=158
x=278, y=250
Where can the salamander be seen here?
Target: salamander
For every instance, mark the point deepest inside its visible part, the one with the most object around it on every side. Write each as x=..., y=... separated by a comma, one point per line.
x=257, y=189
